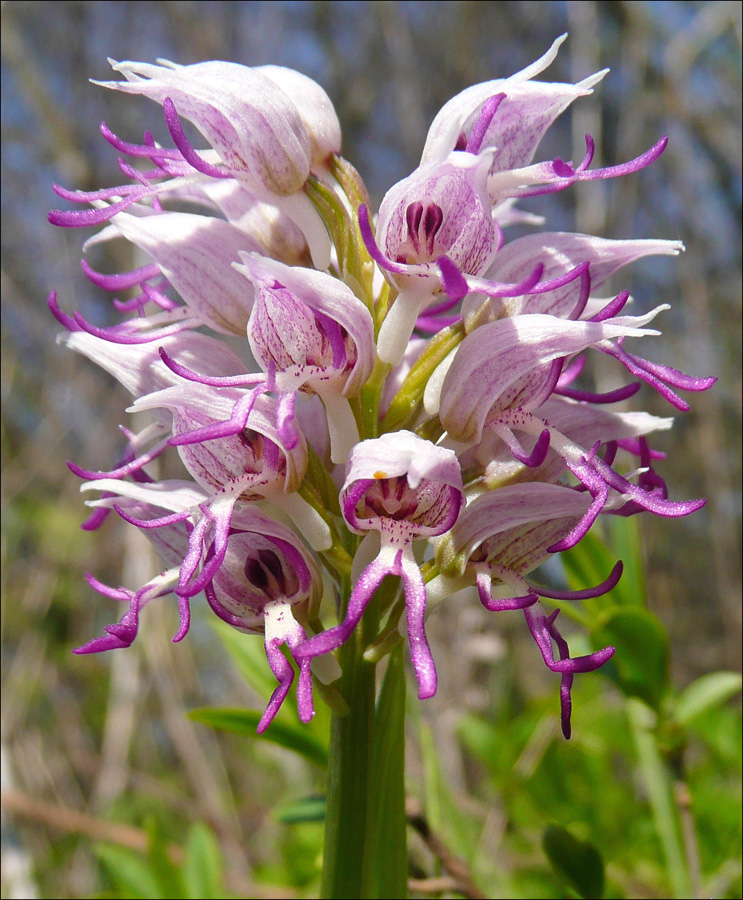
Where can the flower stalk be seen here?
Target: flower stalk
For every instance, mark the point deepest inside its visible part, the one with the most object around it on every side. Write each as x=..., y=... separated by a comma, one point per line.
x=350, y=784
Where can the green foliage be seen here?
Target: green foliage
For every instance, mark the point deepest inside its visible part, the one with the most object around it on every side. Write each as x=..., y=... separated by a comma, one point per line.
x=306, y=809
x=559, y=808
x=154, y=876
x=579, y=861
x=128, y=871
x=203, y=866
x=245, y=721
x=706, y=693
x=613, y=791
x=640, y=665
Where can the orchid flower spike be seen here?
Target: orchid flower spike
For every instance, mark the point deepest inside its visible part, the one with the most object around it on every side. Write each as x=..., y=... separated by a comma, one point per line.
x=278, y=327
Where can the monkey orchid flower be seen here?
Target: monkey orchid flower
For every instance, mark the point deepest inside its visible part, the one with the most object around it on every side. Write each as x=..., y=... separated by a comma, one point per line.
x=258, y=136
x=440, y=210
x=265, y=575
x=501, y=536
x=405, y=488
x=315, y=335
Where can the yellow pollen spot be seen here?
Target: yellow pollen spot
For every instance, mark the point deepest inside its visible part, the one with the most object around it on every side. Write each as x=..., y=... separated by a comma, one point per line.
x=380, y=475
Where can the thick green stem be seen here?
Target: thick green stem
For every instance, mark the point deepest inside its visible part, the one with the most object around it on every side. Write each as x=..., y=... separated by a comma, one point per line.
x=365, y=853
x=350, y=761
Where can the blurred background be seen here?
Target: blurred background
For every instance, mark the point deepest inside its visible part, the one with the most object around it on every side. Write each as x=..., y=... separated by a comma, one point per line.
x=96, y=744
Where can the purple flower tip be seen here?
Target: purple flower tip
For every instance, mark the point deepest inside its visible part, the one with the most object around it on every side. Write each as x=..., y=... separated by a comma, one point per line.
x=454, y=282
x=184, y=145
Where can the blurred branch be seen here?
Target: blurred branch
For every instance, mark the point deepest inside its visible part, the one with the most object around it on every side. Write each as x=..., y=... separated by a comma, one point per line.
x=683, y=799
x=72, y=821
x=460, y=878
x=712, y=21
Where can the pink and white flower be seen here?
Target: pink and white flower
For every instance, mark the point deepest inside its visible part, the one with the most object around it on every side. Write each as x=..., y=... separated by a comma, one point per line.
x=405, y=488
x=285, y=300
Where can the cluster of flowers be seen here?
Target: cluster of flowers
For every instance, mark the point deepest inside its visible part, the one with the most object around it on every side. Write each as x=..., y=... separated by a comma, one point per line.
x=416, y=374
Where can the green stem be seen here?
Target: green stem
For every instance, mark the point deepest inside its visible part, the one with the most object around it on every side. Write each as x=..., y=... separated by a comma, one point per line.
x=350, y=764
x=660, y=792
x=350, y=758
x=365, y=848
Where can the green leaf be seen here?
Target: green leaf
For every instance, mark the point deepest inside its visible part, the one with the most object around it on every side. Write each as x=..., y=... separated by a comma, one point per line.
x=386, y=865
x=640, y=665
x=708, y=692
x=625, y=542
x=579, y=861
x=129, y=872
x=245, y=721
x=659, y=786
x=591, y=561
x=249, y=657
x=166, y=874
x=308, y=809
x=442, y=811
x=203, y=866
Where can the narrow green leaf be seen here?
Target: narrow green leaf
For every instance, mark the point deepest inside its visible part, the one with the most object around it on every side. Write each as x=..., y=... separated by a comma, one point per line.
x=640, y=665
x=245, y=722
x=386, y=863
x=129, y=872
x=432, y=779
x=308, y=809
x=625, y=542
x=203, y=866
x=578, y=861
x=442, y=811
x=167, y=875
x=705, y=693
x=658, y=783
